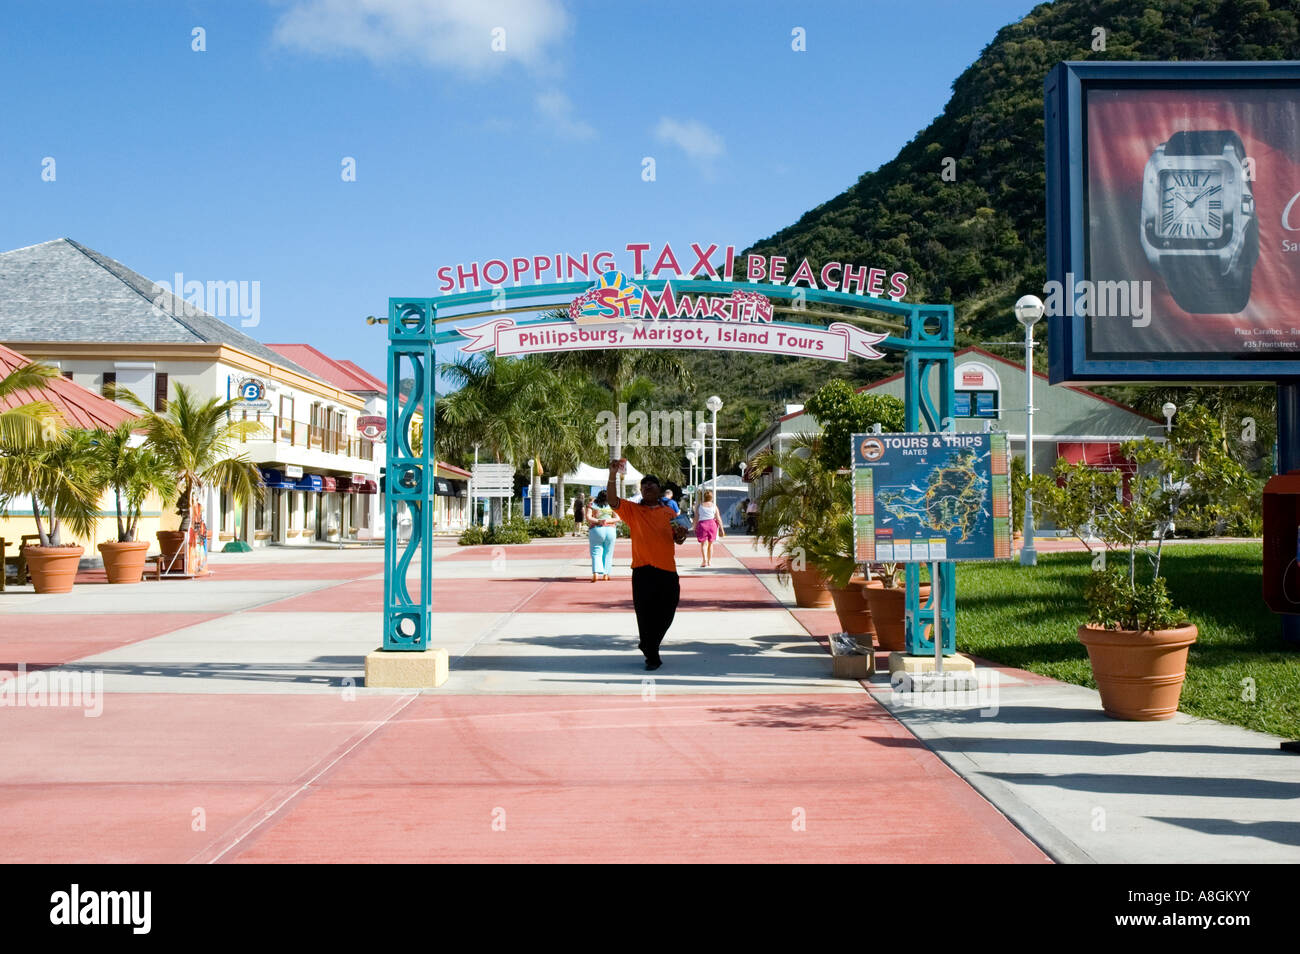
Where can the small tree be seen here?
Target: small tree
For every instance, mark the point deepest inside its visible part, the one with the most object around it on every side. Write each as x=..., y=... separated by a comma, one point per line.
x=63, y=477
x=1190, y=476
x=134, y=473
x=196, y=440
x=843, y=412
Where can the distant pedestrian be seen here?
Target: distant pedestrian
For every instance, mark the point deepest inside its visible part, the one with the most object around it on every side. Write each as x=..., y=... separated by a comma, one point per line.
x=670, y=502
x=656, y=588
x=708, y=526
x=601, y=534
x=579, y=513
x=751, y=517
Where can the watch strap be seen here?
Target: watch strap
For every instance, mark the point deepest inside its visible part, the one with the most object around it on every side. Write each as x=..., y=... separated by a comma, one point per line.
x=1204, y=142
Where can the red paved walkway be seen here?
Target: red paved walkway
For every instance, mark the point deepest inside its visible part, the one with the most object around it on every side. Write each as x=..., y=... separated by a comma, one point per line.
x=443, y=777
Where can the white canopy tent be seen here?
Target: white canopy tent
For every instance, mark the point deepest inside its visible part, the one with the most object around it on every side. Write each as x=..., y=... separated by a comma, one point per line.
x=587, y=476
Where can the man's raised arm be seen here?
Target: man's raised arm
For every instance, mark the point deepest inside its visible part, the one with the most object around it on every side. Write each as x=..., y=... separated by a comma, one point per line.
x=611, y=489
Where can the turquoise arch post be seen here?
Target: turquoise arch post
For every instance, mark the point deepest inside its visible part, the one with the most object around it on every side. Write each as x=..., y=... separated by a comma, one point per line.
x=926, y=342
x=409, y=480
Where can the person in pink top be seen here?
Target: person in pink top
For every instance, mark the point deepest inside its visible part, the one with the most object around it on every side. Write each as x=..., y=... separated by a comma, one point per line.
x=708, y=526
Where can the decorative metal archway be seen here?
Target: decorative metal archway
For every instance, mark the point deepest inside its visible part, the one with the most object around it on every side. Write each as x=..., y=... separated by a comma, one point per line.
x=923, y=334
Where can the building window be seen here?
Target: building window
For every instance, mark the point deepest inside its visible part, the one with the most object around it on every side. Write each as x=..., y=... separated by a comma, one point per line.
x=286, y=417
x=976, y=404
x=110, y=379
x=260, y=511
x=67, y=375
x=159, y=391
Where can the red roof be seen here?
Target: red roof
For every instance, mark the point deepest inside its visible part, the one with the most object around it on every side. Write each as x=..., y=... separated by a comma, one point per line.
x=324, y=367
x=443, y=465
x=1019, y=365
x=80, y=407
x=972, y=349
x=363, y=374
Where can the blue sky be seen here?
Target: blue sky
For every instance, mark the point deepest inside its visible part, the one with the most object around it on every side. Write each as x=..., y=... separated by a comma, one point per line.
x=225, y=165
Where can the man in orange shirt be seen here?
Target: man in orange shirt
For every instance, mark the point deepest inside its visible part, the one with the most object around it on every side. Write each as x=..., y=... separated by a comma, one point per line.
x=655, y=586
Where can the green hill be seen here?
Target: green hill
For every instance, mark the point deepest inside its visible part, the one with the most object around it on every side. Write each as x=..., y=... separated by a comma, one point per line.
x=978, y=241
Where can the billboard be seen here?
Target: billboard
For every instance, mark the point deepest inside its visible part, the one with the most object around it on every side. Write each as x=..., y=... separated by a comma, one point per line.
x=931, y=497
x=1173, y=236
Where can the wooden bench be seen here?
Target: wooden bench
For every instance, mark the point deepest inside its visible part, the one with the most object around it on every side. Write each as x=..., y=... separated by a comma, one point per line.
x=18, y=560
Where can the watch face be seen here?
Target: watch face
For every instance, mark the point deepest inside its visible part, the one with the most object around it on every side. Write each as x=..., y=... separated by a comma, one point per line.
x=1191, y=204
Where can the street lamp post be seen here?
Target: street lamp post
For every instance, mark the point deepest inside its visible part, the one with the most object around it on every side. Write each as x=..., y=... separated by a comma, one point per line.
x=714, y=404
x=1169, y=410
x=690, y=456
x=1028, y=310
x=697, y=451
x=702, y=429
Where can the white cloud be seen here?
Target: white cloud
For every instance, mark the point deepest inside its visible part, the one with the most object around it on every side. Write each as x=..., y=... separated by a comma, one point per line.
x=451, y=34
x=692, y=137
x=557, y=109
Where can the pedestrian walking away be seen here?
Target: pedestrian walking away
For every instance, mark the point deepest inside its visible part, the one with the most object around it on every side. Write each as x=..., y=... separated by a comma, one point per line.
x=579, y=513
x=601, y=534
x=751, y=517
x=708, y=526
x=655, y=585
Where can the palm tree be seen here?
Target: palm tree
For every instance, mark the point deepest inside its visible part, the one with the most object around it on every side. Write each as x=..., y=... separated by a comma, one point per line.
x=803, y=505
x=63, y=477
x=505, y=404
x=196, y=442
x=134, y=473
x=613, y=369
x=27, y=424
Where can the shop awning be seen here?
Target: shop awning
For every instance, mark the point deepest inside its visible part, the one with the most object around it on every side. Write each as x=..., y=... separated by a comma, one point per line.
x=275, y=479
x=310, y=482
x=1103, y=456
x=363, y=487
x=329, y=485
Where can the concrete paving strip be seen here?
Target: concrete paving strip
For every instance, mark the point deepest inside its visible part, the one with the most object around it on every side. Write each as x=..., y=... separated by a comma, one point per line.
x=262, y=652
x=171, y=596
x=1089, y=788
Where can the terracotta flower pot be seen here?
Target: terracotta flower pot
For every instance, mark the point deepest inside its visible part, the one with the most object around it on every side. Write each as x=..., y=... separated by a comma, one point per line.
x=170, y=542
x=53, y=569
x=889, y=611
x=852, y=609
x=1139, y=675
x=810, y=590
x=124, y=561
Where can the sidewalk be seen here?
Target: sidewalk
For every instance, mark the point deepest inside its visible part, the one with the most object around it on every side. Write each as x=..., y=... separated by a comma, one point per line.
x=234, y=727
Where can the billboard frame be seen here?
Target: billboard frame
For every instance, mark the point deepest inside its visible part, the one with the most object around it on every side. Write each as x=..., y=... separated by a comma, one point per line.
x=1064, y=126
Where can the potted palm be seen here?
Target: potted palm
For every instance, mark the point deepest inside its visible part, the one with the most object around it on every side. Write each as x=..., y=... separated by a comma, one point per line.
x=797, y=512
x=833, y=555
x=842, y=412
x=887, y=598
x=62, y=477
x=1137, y=639
x=134, y=473
x=195, y=441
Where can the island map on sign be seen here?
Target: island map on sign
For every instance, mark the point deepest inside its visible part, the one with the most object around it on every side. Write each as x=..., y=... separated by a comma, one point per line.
x=953, y=499
x=929, y=496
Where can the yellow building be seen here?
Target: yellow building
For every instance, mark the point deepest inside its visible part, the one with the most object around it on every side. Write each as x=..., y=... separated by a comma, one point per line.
x=101, y=323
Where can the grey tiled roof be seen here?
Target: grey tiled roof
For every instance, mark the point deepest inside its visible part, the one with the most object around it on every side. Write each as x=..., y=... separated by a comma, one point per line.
x=63, y=291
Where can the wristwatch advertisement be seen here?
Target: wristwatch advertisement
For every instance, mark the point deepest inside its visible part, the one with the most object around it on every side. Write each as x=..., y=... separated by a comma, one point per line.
x=1192, y=228
x=1199, y=229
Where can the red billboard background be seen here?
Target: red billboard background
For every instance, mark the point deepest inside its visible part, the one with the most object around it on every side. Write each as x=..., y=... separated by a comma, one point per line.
x=1123, y=128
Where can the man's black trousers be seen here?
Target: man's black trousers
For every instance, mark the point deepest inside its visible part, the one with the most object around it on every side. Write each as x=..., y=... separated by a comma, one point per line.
x=654, y=597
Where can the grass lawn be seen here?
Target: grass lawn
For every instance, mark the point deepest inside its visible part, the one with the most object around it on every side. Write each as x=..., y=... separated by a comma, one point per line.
x=1027, y=618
